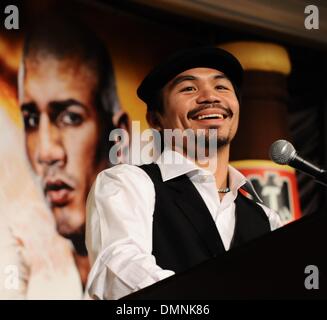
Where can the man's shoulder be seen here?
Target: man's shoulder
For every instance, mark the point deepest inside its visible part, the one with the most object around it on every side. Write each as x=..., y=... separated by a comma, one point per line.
x=125, y=182
x=122, y=168
x=126, y=172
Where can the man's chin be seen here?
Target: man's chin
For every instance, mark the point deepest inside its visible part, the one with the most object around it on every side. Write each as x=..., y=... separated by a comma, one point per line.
x=65, y=230
x=76, y=236
x=214, y=142
x=215, y=136
x=65, y=224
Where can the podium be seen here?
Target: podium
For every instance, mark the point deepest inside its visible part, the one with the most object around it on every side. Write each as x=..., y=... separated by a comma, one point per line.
x=270, y=267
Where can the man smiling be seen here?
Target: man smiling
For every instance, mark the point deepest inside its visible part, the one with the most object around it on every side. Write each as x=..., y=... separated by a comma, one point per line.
x=165, y=217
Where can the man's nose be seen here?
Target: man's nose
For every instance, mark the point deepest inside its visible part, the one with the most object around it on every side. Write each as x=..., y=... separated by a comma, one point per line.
x=50, y=148
x=208, y=95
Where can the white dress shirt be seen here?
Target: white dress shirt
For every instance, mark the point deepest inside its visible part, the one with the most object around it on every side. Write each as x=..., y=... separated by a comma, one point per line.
x=120, y=211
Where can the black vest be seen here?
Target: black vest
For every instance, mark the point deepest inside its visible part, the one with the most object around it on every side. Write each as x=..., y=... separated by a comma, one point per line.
x=184, y=232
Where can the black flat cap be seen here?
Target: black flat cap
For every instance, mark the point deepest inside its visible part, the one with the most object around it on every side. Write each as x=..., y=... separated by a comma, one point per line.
x=202, y=57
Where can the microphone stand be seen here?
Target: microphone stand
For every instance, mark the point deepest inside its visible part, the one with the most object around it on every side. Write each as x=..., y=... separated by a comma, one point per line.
x=320, y=175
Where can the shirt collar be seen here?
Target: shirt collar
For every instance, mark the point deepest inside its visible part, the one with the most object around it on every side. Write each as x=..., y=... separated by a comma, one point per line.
x=236, y=178
x=173, y=164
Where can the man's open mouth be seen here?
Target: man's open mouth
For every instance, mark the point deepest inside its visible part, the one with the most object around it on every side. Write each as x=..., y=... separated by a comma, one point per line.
x=58, y=192
x=208, y=113
x=210, y=116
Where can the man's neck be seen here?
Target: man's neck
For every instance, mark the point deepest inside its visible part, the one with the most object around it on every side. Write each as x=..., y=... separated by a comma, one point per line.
x=219, y=168
x=221, y=173
x=217, y=164
x=83, y=267
x=81, y=257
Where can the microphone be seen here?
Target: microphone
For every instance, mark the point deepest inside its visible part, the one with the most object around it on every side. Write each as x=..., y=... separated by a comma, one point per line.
x=283, y=152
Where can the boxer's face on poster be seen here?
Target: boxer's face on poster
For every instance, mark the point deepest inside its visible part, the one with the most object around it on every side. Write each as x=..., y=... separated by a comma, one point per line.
x=62, y=134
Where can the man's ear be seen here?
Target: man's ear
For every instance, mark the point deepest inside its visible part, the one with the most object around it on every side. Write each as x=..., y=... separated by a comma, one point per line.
x=153, y=119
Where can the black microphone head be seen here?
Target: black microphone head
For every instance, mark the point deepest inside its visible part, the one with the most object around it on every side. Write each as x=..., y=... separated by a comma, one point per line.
x=282, y=152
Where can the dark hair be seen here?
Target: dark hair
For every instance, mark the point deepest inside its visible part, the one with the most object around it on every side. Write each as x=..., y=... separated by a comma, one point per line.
x=64, y=37
x=156, y=103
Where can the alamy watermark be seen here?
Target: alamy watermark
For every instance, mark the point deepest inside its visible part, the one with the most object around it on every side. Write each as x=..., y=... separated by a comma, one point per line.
x=11, y=279
x=311, y=21
x=311, y=281
x=11, y=21
x=199, y=145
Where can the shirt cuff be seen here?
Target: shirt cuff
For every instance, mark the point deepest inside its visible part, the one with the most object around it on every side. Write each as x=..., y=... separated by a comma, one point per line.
x=148, y=281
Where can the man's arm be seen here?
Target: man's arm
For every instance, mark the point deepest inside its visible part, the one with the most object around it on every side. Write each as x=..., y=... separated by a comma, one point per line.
x=119, y=233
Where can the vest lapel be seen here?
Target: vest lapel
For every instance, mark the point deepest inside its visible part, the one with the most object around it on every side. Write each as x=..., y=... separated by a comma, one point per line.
x=197, y=212
x=250, y=221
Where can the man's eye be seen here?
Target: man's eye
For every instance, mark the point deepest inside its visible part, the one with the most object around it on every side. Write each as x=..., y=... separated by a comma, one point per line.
x=220, y=87
x=31, y=120
x=186, y=89
x=70, y=119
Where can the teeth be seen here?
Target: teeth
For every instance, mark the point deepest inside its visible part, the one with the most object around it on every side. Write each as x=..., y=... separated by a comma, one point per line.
x=213, y=115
